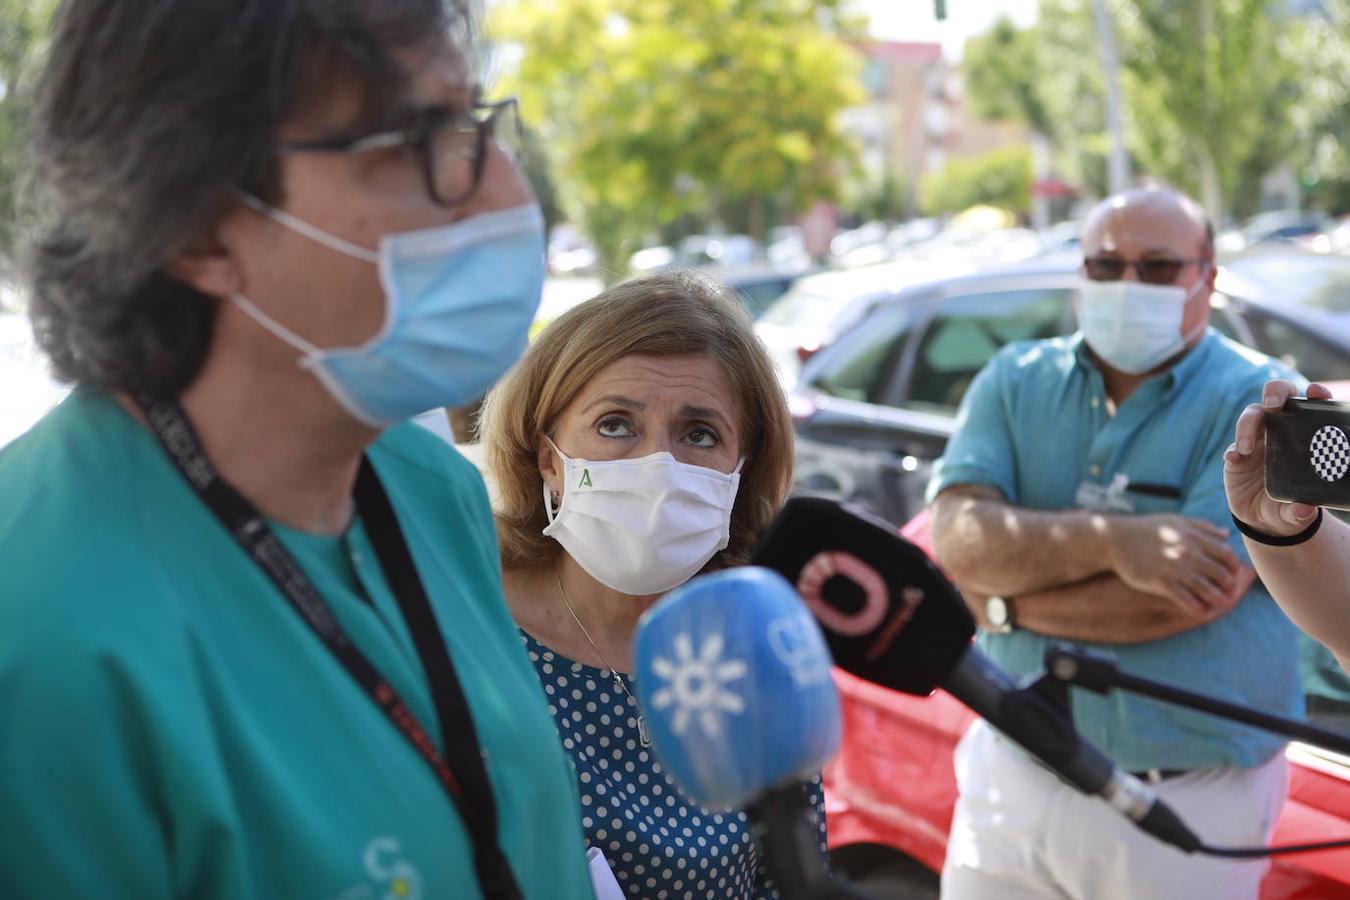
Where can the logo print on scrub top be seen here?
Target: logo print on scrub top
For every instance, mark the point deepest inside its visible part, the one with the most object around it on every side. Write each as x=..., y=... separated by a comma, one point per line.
x=384, y=863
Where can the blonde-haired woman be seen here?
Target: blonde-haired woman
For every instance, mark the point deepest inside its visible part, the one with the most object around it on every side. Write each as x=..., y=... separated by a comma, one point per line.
x=642, y=439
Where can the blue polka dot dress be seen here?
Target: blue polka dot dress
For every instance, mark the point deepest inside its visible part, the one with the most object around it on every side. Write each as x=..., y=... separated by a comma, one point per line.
x=660, y=844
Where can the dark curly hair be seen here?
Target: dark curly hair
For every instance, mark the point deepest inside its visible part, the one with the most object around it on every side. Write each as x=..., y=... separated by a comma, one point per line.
x=147, y=115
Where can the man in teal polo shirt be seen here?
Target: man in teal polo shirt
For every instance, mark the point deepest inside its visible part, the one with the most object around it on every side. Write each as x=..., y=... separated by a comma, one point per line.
x=1081, y=501
x=252, y=635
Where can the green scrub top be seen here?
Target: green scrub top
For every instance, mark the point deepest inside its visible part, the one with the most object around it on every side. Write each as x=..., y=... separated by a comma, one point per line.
x=170, y=727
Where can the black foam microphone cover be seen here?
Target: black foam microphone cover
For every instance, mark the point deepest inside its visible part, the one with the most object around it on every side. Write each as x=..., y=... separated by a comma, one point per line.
x=888, y=614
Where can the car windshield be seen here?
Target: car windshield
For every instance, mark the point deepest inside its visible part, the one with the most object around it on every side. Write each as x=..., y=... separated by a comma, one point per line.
x=858, y=367
x=804, y=309
x=1314, y=282
x=757, y=296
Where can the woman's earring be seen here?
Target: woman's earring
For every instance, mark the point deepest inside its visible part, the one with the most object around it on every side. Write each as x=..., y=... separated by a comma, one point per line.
x=556, y=497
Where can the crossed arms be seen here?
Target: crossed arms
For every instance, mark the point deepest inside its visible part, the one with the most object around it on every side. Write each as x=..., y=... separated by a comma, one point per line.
x=1084, y=575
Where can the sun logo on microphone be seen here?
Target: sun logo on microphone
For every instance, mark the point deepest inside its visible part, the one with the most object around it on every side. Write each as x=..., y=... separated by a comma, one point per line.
x=696, y=684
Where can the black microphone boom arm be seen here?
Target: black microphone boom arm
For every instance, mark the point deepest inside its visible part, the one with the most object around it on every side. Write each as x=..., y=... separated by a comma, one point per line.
x=788, y=839
x=1101, y=675
x=1038, y=718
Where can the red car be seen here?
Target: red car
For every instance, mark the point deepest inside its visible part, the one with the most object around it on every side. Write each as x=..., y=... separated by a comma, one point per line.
x=891, y=790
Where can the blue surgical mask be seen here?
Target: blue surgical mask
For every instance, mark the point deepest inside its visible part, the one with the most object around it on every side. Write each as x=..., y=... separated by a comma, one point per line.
x=459, y=301
x=1134, y=326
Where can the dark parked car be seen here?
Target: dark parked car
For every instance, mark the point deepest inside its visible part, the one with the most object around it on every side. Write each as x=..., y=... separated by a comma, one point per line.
x=874, y=410
x=759, y=287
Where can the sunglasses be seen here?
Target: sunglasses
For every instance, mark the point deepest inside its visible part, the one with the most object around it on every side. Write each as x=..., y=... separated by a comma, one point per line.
x=1151, y=271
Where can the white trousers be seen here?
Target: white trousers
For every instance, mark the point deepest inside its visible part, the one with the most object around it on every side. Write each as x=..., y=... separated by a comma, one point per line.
x=1019, y=833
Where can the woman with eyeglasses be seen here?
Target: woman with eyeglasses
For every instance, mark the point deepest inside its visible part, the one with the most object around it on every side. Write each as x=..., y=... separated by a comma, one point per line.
x=252, y=636
x=643, y=439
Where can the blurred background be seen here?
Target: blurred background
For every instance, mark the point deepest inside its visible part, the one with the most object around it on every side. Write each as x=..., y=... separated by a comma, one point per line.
x=768, y=138
x=819, y=154
x=774, y=137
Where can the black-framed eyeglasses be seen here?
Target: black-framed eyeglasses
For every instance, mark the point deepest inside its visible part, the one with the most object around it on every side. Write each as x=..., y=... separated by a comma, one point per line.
x=452, y=146
x=1152, y=271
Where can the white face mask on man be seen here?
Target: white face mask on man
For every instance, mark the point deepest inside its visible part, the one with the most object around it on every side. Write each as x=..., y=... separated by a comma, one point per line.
x=1134, y=326
x=641, y=526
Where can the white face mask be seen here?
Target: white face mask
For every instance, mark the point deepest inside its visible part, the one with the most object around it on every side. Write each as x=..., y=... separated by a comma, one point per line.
x=641, y=526
x=1134, y=326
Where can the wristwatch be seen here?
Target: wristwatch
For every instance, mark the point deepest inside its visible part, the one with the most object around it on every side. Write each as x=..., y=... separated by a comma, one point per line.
x=998, y=615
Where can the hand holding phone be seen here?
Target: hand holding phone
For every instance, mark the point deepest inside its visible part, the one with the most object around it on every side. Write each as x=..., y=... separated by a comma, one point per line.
x=1308, y=453
x=1244, y=466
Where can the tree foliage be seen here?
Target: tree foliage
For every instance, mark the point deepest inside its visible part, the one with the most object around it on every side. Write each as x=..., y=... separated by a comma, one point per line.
x=1217, y=92
x=655, y=110
x=1049, y=77
x=999, y=178
x=891, y=199
x=23, y=28
x=1005, y=75
x=1211, y=85
x=1323, y=113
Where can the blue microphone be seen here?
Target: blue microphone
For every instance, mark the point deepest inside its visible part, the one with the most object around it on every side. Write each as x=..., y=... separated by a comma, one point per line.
x=733, y=676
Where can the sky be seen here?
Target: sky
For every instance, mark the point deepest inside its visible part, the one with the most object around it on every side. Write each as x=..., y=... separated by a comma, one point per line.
x=913, y=20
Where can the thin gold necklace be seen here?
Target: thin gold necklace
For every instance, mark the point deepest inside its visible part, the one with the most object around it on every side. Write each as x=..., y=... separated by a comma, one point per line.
x=618, y=679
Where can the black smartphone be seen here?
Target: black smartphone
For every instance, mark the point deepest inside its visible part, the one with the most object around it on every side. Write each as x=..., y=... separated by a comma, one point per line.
x=1308, y=453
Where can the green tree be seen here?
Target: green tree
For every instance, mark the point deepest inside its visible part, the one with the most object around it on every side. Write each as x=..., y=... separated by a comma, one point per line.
x=888, y=199
x=1326, y=171
x=1006, y=72
x=1218, y=92
x=655, y=110
x=23, y=27
x=1048, y=76
x=1212, y=86
x=999, y=178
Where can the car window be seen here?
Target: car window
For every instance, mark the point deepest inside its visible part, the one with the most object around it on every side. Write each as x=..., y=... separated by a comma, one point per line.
x=1222, y=318
x=1312, y=356
x=1290, y=232
x=803, y=309
x=1318, y=282
x=757, y=296
x=969, y=330
x=859, y=365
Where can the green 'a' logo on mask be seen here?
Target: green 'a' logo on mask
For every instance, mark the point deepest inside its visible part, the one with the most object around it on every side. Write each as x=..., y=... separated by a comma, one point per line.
x=585, y=479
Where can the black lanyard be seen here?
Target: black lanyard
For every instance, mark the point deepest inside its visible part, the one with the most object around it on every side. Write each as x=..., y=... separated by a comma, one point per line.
x=461, y=770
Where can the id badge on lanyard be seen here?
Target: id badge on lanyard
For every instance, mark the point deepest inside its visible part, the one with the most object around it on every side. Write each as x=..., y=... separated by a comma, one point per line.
x=461, y=768
x=1105, y=497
